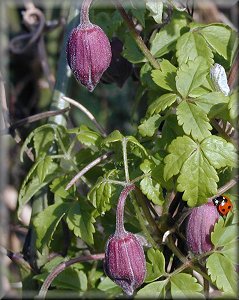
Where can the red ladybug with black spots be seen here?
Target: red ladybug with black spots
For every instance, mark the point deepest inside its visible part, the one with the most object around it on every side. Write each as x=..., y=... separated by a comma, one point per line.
x=223, y=204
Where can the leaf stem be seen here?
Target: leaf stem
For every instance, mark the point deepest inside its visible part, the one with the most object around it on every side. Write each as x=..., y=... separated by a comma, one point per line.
x=61, y=267
x=87, y=168
x=126, y=169
x=87, y=113
x=136, y=36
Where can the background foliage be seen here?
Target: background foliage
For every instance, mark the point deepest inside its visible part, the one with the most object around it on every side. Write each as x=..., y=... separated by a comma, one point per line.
x=167, y=115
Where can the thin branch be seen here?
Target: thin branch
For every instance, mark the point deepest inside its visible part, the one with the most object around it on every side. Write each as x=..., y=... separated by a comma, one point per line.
x=139, y=41
x=86, y=112
x=225, y=187
x=61, y=267
x=87, y=168
x=4, y=102
x=34, y=118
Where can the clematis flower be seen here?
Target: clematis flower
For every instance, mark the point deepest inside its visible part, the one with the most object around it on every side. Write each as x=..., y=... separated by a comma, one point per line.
x=199, y=227
x=125, y=262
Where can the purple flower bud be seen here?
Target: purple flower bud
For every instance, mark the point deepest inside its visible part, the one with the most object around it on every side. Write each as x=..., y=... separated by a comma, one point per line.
x=124, y=255
x=88, y=54
x=199, y=227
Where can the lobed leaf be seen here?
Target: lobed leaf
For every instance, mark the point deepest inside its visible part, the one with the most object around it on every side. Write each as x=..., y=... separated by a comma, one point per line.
x=191, y=75
x=150, y=125
x=153, y=290
x=80, y=220
x=151, y=189
x=193, y=120
x=211, y=102
x=165, y=40
x=219, y=152
x=156, y=266
x=88, y=137
x=197, y=179
x=221, y=38
x=180, y=150
x=131, y=51
x=185, y=286
x=46, y=223
x=222, y=273
x=191, y=45
x=100, y=195
x=161, y=103
x=165, y=77
x=156, y=9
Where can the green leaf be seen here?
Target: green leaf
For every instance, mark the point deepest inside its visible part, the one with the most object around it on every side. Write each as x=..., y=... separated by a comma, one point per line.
x=43, y=139
x=165, y=78
x=222, y=273
x=88, y=137
x=221, y=38
x=151, y=189
x=191, y=75
x=146, y=78
x=191, y=45
x=138, y=11
x=44, y=167
x=113, y=137
x=48, y=128
x=193, y=120
x=46, y=223
x=156, y=9
x=197, y=179
x=219, y=152
x=161, y=103
x=223, y=235
x=156, y=267
x=233, y=105
x=58, y=188
x=185, y=286
x=230, y=251
x=32, y=185
x=180, y=150
x=211, y=102
x=150, y=125
x=80, y=220
x=165, y=40
x=100, y=195
x=134, y=141
x=131, y=51
x=108, y=286
x=153, y=290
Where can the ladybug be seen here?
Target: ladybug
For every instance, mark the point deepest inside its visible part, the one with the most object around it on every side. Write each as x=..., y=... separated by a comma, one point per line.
x=223, y=204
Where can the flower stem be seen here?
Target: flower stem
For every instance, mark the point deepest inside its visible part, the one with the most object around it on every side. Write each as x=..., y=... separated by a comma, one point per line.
x=61, y=267
x=120, y=210
x=139, y=41
x=126, y=169
x=84, y=14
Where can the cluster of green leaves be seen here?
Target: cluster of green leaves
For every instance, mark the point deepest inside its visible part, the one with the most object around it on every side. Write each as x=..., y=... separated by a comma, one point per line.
x=174, y=148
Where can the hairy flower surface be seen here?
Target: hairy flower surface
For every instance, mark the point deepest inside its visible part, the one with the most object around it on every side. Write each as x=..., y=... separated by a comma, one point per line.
x=88, y=54
x=199, y=227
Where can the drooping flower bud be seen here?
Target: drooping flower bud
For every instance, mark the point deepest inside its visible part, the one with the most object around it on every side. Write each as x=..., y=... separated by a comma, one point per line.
x=199, y=227
x=125, y=262
x=88, y=50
